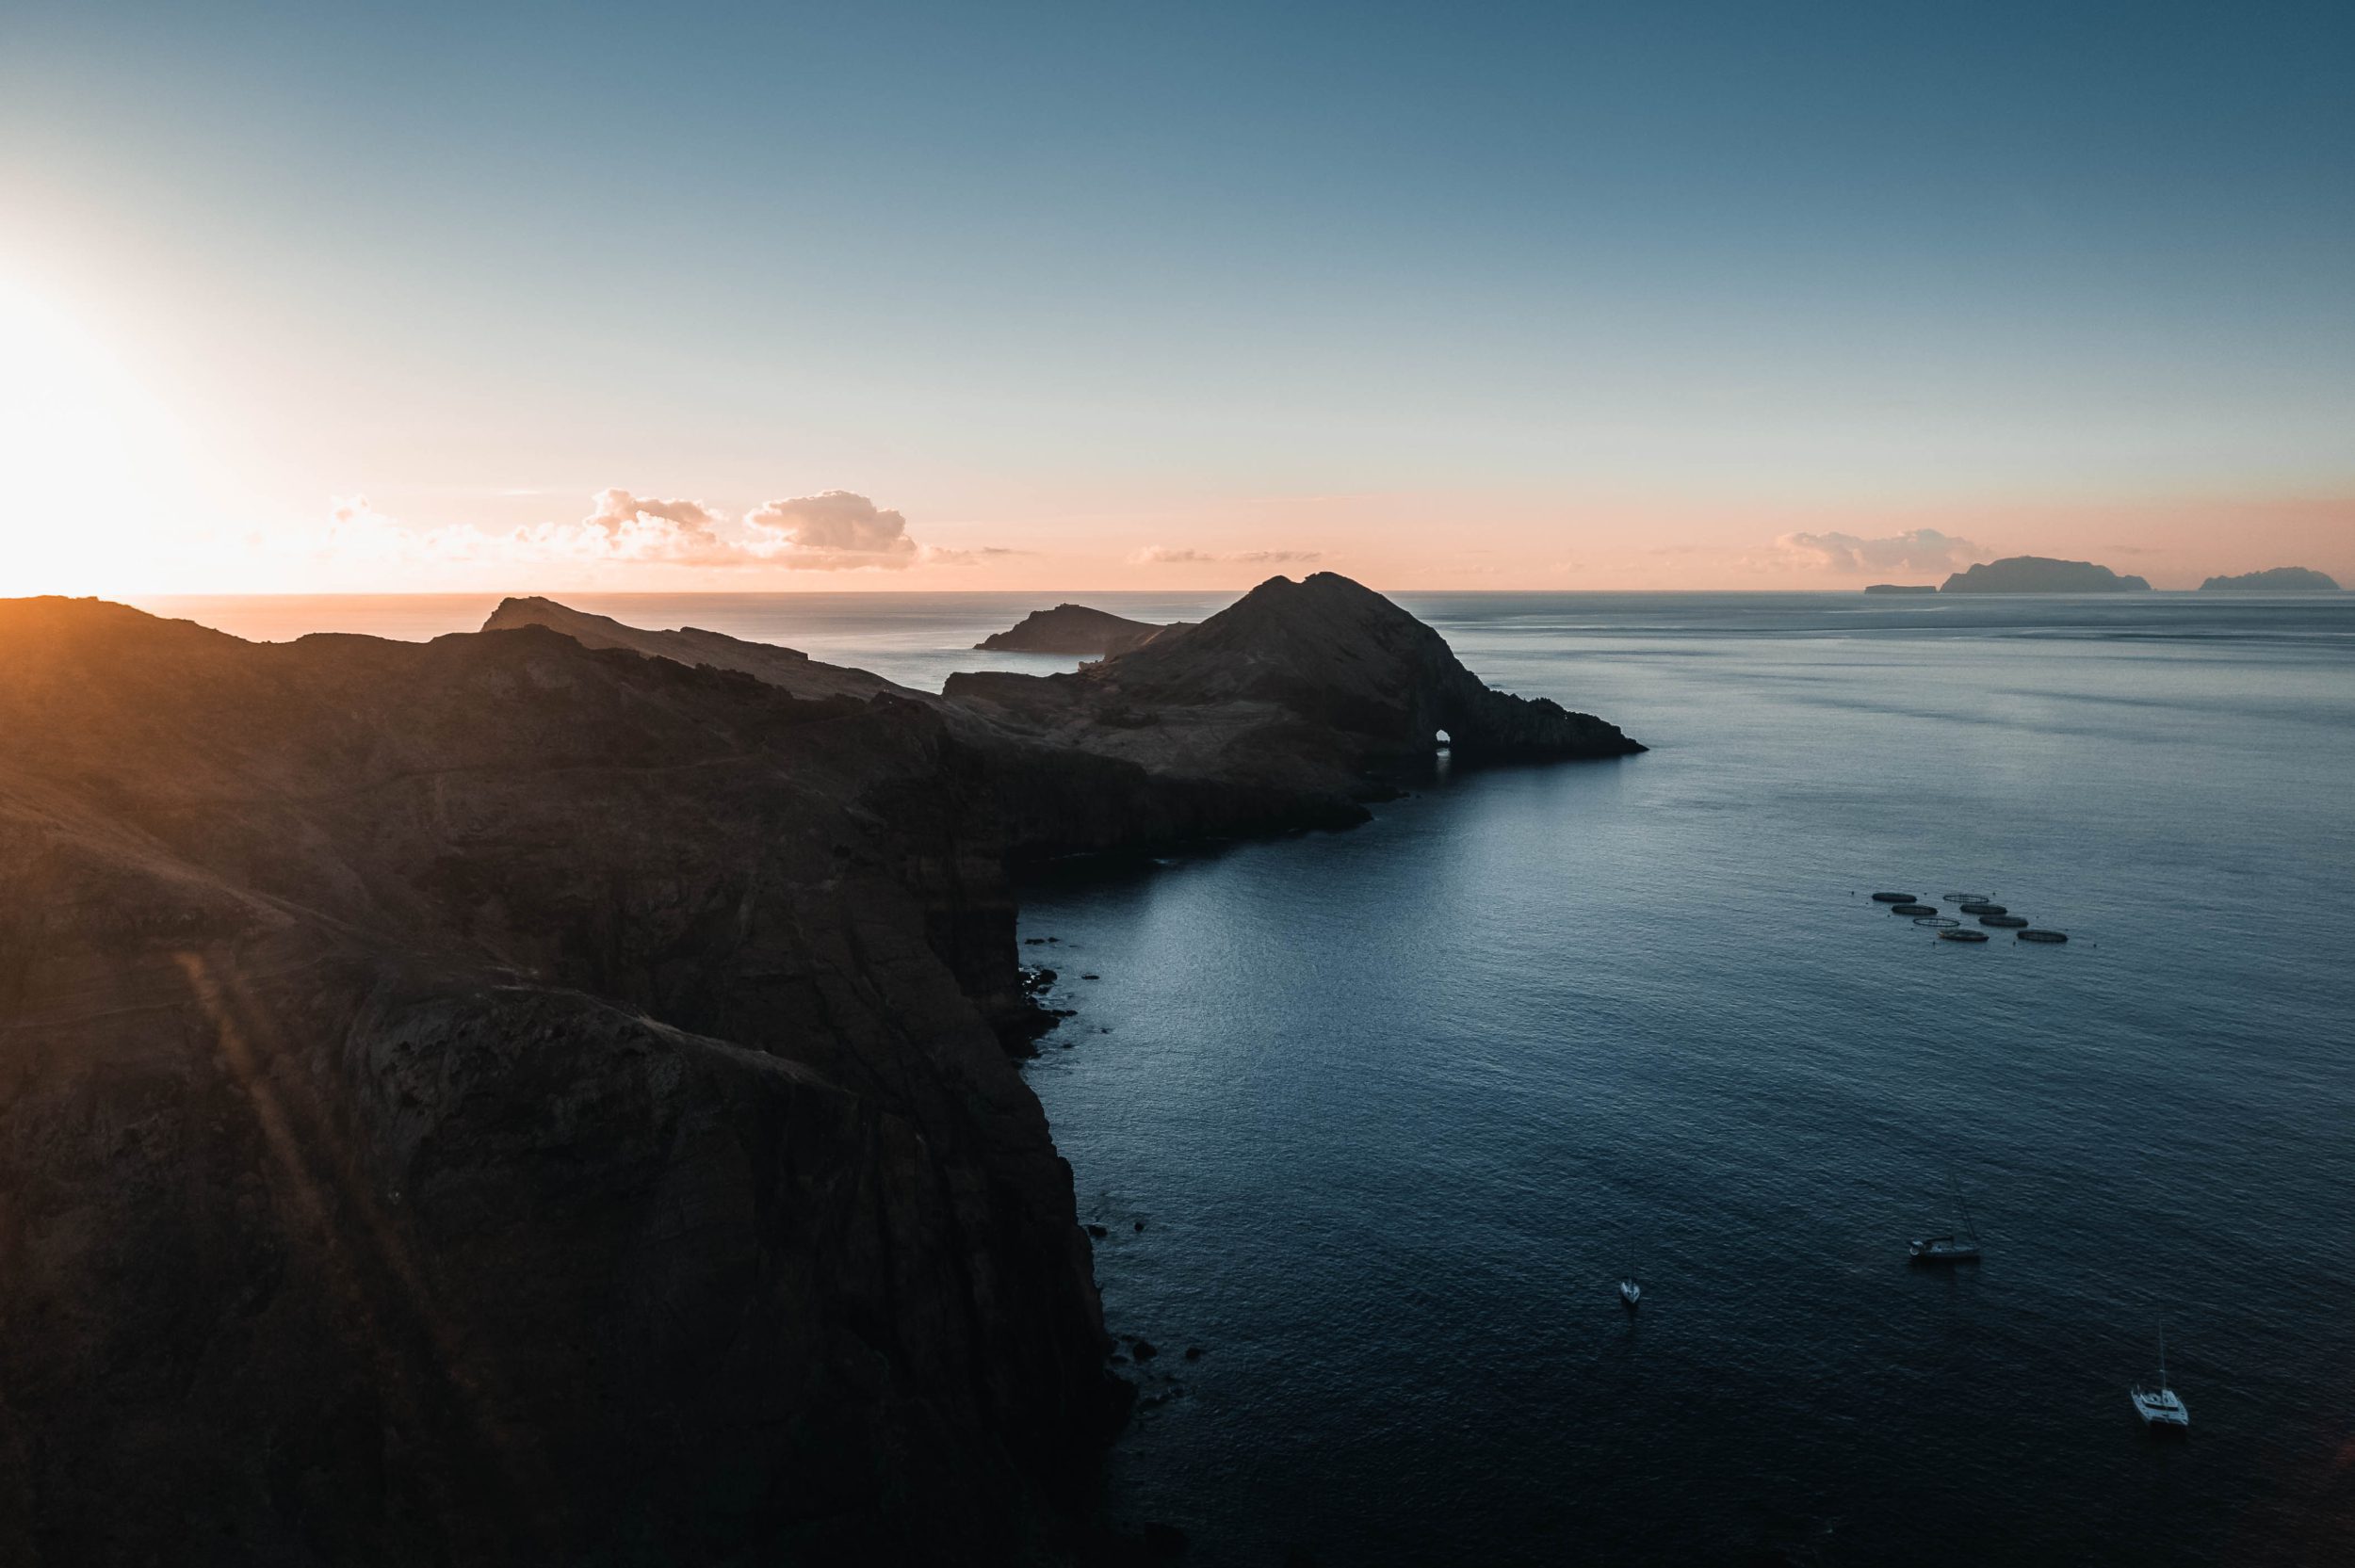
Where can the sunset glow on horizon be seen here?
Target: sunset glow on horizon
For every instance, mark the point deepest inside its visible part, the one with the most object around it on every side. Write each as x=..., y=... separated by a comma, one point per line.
x=300, y=303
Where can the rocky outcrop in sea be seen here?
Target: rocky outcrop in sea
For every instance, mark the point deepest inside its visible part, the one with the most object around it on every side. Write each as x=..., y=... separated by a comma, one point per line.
x=1076, y=629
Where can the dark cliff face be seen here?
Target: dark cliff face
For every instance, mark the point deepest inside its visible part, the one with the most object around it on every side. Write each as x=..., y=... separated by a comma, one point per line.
x=507, y=1100
x=500, y=1101
x=1301, y=685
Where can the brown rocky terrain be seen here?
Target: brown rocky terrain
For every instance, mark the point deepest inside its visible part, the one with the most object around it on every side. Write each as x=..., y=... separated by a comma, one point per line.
x=511, y=1100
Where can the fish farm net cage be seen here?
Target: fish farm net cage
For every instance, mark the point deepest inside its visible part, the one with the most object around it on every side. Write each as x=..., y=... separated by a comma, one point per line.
x=1937, y=922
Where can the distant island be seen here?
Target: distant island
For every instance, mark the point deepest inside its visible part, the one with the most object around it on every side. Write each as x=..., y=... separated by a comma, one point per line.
x=1075, y=629
x=2279, y=579
x=1901, y=587
x=2041, y=574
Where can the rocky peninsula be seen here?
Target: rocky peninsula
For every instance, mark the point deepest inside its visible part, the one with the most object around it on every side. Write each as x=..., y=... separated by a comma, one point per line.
x=2041, y=574
x=542, y=1095
x=2278, y=579
x=1076, y=629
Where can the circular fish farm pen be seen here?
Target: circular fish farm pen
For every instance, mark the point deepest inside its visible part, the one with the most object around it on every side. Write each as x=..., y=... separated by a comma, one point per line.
x=1966, y=898
x=1913, y=909
x=1961, y=933
x=1895, y=898
x=1938, y=922
x=2004, y=922
x=1980, y=906
x=2044, y=936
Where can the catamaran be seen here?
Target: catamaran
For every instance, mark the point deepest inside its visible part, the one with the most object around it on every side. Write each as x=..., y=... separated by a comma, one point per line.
x=2161, y=1408
x=1631, y=1294
x=1959, y=1245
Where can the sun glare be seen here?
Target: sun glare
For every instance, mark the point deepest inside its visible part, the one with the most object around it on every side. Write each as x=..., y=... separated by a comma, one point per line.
x=89, y=457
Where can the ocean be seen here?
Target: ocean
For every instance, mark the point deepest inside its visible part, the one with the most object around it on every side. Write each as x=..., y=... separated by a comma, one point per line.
x=1376, y=1120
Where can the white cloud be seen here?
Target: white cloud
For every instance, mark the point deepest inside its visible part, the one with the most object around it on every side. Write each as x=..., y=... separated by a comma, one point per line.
x=1919, y=550
x=626, y=528
x=833, y=531
x=1164, y=555
x=935, y=555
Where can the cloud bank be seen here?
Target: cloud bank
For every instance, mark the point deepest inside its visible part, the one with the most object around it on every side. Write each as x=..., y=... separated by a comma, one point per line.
x=1164, y=555
x=835, y=531
x=1919, y=550
x=625, y=528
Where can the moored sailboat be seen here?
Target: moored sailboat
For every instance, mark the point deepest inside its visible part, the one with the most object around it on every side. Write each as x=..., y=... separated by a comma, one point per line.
x=2162, y=1409
x=1960, y=1245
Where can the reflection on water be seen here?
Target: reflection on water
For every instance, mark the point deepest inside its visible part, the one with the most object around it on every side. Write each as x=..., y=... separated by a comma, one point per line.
x=1404, y=1103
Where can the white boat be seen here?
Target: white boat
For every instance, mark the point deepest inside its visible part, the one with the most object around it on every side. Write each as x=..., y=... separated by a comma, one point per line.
x=2161, y=1408
x=1631, y=1294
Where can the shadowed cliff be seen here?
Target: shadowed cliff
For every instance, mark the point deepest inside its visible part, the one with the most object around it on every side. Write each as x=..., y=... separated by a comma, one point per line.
x=500, y=1101
x=540, y=1096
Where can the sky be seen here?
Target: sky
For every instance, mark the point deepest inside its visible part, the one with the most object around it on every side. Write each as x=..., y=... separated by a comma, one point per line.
x=1758, y=295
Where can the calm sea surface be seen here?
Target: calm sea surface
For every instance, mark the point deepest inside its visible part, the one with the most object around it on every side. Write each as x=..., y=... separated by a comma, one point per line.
x=1398, y=1106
